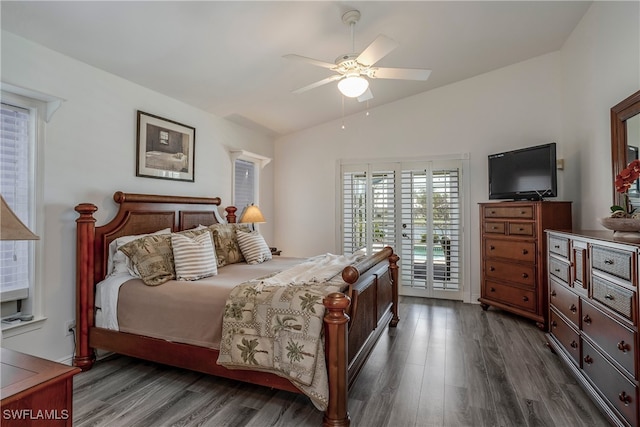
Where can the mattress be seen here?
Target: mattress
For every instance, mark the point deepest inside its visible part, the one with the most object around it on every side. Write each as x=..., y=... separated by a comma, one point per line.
x=189, y=312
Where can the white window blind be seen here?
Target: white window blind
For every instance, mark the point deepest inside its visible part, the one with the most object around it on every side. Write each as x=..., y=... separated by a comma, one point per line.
x=16, y=180
x=244, y=184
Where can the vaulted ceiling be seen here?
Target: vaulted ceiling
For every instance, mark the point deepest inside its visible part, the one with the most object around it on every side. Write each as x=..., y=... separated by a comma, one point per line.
x=226, y=57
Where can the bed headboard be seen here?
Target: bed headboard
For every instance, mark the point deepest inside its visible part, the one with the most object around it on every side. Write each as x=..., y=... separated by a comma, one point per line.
x=138, y=214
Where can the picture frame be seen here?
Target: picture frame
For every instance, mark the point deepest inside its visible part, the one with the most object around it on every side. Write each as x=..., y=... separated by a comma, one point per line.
x=165, y=149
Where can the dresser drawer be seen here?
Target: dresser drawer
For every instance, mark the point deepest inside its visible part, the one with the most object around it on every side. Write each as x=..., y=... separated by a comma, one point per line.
x=559, y=269
x=559, y=246
x=521, y=298
x=518, y=212
x=565, y=301
x=521, y=228
x=511, y=272
x=613, y=296
x=618, y=390
x=519, y=251
x=492, y=227
x=613, y=338
x=615, y=262
x=566, y=336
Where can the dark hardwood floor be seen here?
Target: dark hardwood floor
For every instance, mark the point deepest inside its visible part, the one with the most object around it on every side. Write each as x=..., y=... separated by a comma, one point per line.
x=446, y=364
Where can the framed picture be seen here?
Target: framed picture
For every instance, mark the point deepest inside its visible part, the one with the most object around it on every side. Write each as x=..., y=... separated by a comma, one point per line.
x=165, y=149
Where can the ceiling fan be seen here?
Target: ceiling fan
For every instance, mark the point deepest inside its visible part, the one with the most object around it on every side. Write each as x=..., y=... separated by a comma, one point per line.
x=353, y=69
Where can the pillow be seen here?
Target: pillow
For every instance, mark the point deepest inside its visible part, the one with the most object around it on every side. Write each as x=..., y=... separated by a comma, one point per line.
x=117, y=262
x=152, y=256
x=193, y=257
x=254, y=249
x=226, y=243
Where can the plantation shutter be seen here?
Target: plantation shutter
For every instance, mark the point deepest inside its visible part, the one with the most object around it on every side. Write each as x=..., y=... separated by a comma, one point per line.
x=368, y=208
x=244, y=184
x=15, y=178
x=431, y=227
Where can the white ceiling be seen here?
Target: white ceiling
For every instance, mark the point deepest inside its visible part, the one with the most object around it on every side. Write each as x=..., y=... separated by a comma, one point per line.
x=226, y=57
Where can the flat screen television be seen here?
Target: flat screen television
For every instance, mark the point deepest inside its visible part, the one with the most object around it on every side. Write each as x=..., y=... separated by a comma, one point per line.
x=525, y=174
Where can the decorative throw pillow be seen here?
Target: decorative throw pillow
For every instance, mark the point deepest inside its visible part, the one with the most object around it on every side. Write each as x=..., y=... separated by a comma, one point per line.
x=254, y=249
x=117, y=261
x=226, y=243
x=153, y=258
x=193, y=257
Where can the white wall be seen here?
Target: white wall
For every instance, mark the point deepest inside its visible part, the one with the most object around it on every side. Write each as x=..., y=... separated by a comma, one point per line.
x=90, y=153
x=601, y=67
x=512, y=107
x=563, y=97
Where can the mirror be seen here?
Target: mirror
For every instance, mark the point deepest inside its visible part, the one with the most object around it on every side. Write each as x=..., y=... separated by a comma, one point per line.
x=625, y=143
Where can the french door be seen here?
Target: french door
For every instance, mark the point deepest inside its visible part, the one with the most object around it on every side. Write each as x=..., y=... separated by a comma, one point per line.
x=414, y=207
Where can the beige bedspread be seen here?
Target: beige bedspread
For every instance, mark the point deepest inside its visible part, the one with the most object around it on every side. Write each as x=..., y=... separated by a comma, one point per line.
x=188, y=312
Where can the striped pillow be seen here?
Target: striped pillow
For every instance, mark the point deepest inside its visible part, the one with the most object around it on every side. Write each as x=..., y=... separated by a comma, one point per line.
x=253, y=247
x=194, y=257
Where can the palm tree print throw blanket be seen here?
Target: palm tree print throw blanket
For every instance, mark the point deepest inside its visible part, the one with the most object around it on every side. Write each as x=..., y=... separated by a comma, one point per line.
x=276, y=326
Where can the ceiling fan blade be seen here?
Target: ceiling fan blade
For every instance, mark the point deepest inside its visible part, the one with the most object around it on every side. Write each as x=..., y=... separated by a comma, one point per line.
x=377, y=50
x=319, y=83
x=366, y=96
x=310, y=61
x=401, y=73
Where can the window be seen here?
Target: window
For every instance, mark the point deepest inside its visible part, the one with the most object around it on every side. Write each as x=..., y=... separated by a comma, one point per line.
x=415, y=207
x=17, y=143
x=246, y=178
x=245, y=184
x=23, y=114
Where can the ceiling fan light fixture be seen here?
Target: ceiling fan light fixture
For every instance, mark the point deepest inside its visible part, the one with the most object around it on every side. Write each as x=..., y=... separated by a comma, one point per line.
x=353, y=86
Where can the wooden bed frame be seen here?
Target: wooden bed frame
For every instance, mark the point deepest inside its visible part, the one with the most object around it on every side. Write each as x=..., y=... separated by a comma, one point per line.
x=353, y=323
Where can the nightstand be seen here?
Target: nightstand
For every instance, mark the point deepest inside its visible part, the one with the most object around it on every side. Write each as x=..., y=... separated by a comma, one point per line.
x=275, y=251
x=35, y=391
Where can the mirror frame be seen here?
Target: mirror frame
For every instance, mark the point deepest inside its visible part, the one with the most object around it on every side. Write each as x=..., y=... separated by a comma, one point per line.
x=620, y=113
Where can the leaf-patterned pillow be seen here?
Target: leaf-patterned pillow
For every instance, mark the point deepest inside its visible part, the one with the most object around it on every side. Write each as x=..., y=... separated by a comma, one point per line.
x=153, y=257
x=226, y=243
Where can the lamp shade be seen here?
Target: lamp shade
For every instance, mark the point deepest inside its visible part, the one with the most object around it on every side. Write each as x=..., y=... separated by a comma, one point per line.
x=252, y=214
x=11, y=228
x=353, y=86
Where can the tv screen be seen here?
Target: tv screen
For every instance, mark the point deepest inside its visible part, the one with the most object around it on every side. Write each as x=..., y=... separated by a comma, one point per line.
x=525, y=174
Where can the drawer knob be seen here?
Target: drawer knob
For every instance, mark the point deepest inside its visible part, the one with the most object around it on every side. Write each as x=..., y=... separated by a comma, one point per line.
x=588, y=360
x=557, y=270
x=554, y=323
x=574, y=344
x=492, y=289
x=624, y=398
x=491, y=247
x=524, y=252
x=586, y=319
x=623, y=346
x=573, y=308
x=525, y=276
x=492, y=268
x=553, y=293
x=609, y=297
x=608, y=261
x=525, y=298
x=556, y=246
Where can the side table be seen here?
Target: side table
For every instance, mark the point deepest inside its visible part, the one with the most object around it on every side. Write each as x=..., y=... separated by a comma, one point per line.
x=35, y=391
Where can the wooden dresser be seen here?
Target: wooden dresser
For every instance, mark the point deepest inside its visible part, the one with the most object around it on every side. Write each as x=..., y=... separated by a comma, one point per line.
x=593, y=313
x=35, y=392
x=514, y=268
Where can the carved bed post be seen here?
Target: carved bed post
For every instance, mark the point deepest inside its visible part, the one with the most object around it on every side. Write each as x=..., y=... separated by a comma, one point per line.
x=336, y=350
x=393, y=270
x=231, y=214
x=84, y=356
